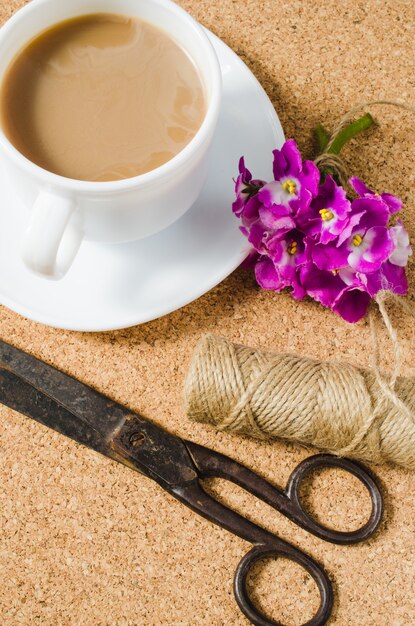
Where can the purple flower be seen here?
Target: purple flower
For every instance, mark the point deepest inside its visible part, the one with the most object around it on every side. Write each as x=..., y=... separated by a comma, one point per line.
x=250, y=212
x=257, y=236
x=403, y=248
x=280, y=268
x=389, y=277
x=394, y=204
x=245, y=188
x=295, y=182
x=322, y=285
x=328, y=214
x=287, y=252
x=267, y=275
x=341, y=291
x=352, y=304
x=313, y=240
x=364, y=244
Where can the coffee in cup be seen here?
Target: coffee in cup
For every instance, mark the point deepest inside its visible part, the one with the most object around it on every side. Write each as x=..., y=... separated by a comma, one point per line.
x=101, y=97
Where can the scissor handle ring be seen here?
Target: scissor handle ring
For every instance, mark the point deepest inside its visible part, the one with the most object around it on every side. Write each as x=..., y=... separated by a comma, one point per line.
x=283, y=549
x=306, y=520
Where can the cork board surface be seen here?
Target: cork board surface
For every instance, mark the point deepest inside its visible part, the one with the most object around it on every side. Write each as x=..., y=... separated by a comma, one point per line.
x=86, y=542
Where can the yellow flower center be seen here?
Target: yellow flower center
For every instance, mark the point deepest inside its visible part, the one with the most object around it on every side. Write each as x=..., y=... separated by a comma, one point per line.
x=289, y=186
x=357, y=240
x=326, y=215
x=292, y=248
x=334, y=272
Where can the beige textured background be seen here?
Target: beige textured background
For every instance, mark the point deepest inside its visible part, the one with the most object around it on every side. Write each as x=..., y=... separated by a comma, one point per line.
x=86, y=542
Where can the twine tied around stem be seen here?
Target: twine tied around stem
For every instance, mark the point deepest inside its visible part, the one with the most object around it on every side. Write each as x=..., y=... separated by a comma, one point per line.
x=333, y=161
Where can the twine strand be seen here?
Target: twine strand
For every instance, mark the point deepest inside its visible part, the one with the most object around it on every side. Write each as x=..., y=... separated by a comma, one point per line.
x=343, y=122
x=335, y=163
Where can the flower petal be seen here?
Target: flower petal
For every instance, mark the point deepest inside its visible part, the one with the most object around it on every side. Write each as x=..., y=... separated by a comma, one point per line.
x=394, y=204
x=238, y=205
x=400, y=257
x=403, y=248
x=389, y=278
x=250, y=211
x=352, y=304
x=395, y=278
x=276, y=217
x=272, y=193
x=255, y=235
x=298, y=292
x=279, y=165
x=267, y=276
x=310, y=177
x=329, y=256
x=321, y=285
x=375, y=211
x=244, y=171
x=292, y=156
x=359, y=186
x=376, y=247
x=352, y=222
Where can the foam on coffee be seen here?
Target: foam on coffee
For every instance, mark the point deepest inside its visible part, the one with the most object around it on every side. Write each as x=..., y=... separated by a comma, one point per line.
x=101, y=97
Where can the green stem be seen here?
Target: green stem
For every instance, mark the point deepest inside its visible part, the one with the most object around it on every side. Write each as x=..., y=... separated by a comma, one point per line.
x=322, y=137
x=350, y=131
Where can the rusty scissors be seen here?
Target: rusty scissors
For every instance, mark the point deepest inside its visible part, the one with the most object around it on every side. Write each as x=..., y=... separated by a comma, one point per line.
x=73, y=409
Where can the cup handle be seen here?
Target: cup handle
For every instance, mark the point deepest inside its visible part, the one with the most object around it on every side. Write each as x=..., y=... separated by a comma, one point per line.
x=53, y=236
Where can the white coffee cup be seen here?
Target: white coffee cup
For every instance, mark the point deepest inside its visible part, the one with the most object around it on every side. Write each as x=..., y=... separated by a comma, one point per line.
x=66, y=211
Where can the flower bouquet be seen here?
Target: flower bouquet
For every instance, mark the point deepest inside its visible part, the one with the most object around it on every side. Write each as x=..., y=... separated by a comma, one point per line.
x=320, y=234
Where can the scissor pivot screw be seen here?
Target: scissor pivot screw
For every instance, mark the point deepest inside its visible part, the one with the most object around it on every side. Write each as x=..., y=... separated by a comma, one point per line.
x=137, y=439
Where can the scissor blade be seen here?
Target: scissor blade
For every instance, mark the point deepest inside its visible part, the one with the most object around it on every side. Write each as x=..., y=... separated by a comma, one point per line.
x=57, y=400
x=68, y=406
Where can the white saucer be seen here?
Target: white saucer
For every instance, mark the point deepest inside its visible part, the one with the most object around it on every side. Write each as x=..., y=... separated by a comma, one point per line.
x=116, y=286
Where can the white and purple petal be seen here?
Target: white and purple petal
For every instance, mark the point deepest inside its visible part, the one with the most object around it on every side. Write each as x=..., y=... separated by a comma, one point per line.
x=375, y=248
x=403, y=250
x=394, y=278
x=352, y=224
x=388, y=278
x=275, y=217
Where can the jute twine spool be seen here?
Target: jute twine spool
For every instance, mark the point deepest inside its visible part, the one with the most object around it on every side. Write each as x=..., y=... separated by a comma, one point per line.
x=334, y=406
